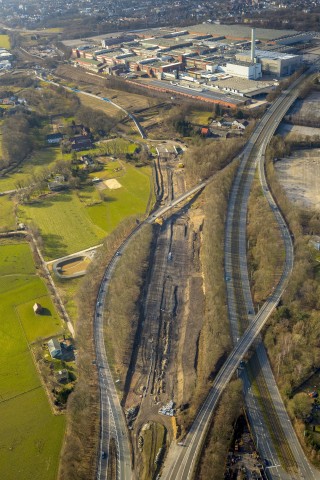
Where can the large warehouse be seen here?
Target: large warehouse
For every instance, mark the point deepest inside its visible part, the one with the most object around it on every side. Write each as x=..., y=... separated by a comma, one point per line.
x=277, y=63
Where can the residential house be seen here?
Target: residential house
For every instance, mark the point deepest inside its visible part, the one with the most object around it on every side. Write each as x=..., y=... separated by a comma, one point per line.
x=87, y=160
x=240, y=125
x=81, y=142
x=54, y=348
x=56, y=186
x=205, y=132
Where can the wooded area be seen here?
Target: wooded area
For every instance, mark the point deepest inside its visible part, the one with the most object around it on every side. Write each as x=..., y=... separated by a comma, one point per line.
x=214, y=339
x=213, y=462
x=293, y=335
x=205, y=157
x=122, y=303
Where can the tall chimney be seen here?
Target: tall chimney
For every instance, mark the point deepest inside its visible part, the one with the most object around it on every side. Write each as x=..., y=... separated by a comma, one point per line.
x=253, y=44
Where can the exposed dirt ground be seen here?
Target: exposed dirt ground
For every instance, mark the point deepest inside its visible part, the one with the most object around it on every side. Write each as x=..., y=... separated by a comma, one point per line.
x=310, y=106
x=291, y=131
x=300, y=176
x=164, y=367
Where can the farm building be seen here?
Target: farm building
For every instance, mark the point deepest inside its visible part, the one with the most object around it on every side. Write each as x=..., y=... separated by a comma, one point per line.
x=81, y=142
x=54, y=348
x=37, y=308
x=54, y=138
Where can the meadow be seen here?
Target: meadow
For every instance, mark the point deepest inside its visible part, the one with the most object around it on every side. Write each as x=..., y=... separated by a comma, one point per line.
x=64, y=224
x=7, y=219
x=5, y=41
x=31, y=436
x=72, y=221
x=131, y=199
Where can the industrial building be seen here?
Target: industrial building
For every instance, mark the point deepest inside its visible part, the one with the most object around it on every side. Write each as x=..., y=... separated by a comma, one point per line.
x=277, y=63
x=200, y=63
x=250, y=71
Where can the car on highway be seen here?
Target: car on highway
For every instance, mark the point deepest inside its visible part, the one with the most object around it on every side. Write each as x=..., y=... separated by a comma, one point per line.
x=103, y=455
x=118, y=254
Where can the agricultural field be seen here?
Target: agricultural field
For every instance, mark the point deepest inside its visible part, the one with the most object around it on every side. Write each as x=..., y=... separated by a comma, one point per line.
x=72, y=221
x=7, y=219
x=5, y=41
x=33, y=436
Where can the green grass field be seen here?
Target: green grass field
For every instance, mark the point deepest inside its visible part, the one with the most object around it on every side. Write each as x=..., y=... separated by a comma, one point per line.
x=38, y=161
x=130, y=199
x=73, y=221
x=7, y=219
x=199, y=117
x=31, y=436
x=64, y=224
x=5, y=41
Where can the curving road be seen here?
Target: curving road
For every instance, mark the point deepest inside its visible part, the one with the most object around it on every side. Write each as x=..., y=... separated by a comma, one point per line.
x=103, y=99
x=182, y=461
x=113, y=424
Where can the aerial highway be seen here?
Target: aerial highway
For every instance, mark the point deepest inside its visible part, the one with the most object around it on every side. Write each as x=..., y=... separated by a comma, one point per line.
x=112, y=420
x=182, y=461
x=287, y=456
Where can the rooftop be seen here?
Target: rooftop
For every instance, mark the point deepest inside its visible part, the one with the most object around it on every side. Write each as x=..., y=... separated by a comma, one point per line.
x=239, y=31
x=270, y=54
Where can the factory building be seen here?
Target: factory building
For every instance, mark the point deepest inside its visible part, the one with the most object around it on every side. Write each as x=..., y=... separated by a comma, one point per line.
x=279, y=64
x=250, y=71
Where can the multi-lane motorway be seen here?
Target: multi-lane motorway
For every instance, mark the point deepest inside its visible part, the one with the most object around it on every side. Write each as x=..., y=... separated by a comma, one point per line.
x=281, y=445
x=182, y=461
x=112, y=419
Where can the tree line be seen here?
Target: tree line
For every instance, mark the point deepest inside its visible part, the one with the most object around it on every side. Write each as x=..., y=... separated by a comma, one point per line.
x=17, y=142
x=214, y=339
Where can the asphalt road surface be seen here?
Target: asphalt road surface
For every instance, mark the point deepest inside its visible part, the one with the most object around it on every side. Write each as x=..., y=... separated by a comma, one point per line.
x=181, y=461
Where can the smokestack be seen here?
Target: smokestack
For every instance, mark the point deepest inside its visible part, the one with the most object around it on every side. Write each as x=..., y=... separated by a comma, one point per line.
x=253, y=44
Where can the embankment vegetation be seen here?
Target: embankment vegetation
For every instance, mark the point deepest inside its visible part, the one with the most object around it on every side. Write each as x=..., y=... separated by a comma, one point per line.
x=205, y=157
x=213, y=462
x=265, y=265
x=214, y=340
x=292, y=337
x=122, y=305
x=79, y=454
